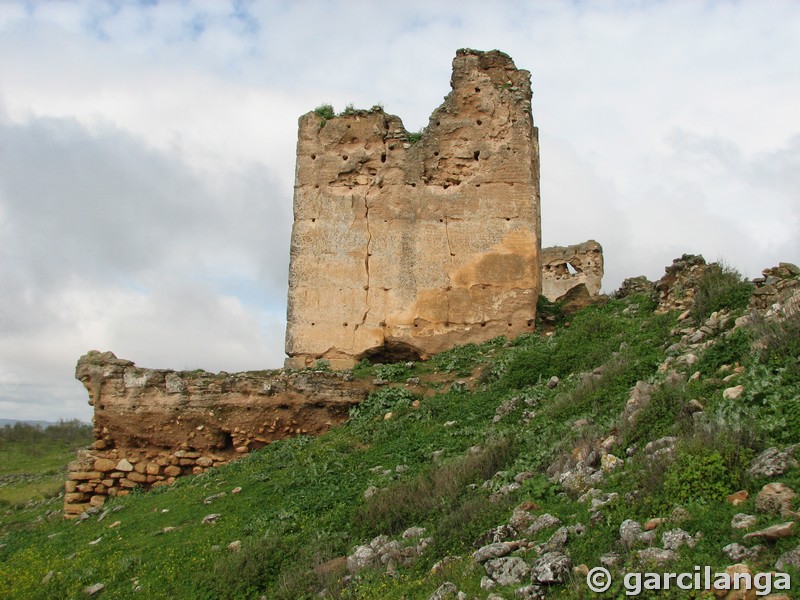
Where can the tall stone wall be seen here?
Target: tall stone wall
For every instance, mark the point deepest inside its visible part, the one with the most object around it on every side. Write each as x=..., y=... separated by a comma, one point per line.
x=402, y=248
x=152, y=425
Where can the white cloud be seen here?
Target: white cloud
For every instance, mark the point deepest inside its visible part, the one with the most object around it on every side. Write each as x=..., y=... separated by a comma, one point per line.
x=111, y=244
x=147, y=154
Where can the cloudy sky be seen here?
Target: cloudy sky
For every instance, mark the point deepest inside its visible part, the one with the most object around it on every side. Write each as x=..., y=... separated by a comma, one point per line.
x=147, y=154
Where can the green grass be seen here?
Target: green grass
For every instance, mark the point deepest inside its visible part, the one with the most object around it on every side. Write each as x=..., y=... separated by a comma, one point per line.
x=21, y=458
x=302, y=503
x=33, y=467
x=15, y=491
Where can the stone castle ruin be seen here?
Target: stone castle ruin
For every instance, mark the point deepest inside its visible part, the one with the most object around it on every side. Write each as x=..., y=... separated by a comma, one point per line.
x=572, y=274
x=153, y=425
x=401, y=248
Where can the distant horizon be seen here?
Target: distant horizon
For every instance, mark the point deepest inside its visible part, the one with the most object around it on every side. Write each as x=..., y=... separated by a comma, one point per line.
x=4, y=422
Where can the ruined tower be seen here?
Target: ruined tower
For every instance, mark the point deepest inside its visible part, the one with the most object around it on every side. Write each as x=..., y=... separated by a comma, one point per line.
x=404, y=247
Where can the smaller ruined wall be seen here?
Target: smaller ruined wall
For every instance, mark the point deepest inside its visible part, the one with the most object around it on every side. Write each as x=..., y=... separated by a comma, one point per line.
x=778, y=290
x=675, y=290
x=572, y=271
x=152, y=426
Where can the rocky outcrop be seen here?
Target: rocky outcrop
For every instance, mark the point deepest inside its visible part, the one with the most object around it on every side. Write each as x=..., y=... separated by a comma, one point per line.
x=778, y=288
x=776, y=292
x=635, y=286
x=675, y=290
x=153, y=425
x=403, y=247
x=572, y=273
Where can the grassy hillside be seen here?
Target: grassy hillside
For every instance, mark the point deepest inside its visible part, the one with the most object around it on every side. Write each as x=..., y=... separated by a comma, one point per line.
x=504, y=433
x=33, y=465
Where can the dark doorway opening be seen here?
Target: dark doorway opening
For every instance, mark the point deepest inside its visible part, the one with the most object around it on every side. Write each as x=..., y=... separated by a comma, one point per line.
x=391, y=352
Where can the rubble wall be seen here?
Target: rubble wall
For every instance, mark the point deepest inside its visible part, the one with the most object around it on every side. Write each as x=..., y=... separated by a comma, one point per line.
x=152, y=426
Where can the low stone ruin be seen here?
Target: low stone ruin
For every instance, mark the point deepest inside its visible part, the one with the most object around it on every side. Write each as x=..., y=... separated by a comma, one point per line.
x=153, y=425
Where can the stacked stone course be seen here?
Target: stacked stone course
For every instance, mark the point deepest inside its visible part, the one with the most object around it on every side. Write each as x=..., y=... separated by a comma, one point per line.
x=152, y=426
x=778, y=286
x=98, y=474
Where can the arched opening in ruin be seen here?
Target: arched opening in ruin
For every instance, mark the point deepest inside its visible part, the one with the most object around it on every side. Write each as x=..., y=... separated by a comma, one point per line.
x=225, y=441
x=390, y=352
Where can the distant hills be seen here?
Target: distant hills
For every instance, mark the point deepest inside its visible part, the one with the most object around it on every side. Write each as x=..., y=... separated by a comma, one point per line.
x=42, y=424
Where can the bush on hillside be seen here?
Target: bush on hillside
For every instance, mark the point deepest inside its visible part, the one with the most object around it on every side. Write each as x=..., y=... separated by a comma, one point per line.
x=727, y=350
x=661, y=417
x=392, y=372
x=698, y=475
x=720, y=287
x=779, y=344
x=364, y=416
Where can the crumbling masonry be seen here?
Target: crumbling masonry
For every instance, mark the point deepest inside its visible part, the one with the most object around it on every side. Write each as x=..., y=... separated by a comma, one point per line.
x=154, y=425
x=572, y=274
x=403, y=248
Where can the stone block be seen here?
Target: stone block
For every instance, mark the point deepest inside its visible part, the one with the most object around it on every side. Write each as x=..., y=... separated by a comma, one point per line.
x=124, y=465
x=104, y=465
x=76, y=508
x=85, y=475
x=136, y=477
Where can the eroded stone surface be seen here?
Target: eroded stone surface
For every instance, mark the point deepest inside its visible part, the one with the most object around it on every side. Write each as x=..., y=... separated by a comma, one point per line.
x=153, y=425
x=572, y=272
x=404, y=249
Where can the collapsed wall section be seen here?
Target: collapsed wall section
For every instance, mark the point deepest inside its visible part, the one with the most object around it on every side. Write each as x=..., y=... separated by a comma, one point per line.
x=403, y=248
x=152, y=426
